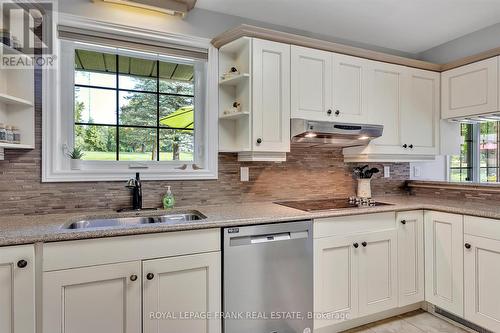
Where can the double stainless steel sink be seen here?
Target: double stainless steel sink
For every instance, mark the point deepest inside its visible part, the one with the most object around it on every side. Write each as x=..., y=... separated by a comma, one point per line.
x=134, y=221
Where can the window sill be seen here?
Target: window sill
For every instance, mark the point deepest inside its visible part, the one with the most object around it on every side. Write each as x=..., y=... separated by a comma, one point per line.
x=464, y=186
x=125, y=173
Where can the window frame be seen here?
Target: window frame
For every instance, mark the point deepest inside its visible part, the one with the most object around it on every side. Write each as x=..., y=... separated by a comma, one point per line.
x=58, y=123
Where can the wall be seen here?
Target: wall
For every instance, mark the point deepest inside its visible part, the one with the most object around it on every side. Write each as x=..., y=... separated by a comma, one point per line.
x=473, y=43
x=199, y=22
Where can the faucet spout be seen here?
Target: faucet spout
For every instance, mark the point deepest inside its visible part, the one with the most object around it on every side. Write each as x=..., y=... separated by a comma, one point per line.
x=136, y=187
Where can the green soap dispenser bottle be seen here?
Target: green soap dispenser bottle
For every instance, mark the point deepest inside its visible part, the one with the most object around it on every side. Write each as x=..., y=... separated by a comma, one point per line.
x=168, y=199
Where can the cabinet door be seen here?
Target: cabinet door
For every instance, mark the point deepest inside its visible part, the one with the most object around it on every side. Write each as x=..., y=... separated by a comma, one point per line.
x=271, y=96
x=470, y=90
x=97, y=299
x=311, y=84
x=378, y=273
x=17, y=289
x=385, y=89
x=186, y=284
x=411, y=257
x=444, y=261
x=481, y=281
x=335, y=279
x=349, y=89
x=420, y=112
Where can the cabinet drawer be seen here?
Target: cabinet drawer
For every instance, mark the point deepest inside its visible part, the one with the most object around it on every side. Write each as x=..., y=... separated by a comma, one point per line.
x=91, y=252
x=345, y=225
x=482, y=227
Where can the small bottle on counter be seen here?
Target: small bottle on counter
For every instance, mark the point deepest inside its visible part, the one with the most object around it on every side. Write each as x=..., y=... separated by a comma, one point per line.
x=16, y=135
x=9, y=135
x=168, y=199
x=3, y=133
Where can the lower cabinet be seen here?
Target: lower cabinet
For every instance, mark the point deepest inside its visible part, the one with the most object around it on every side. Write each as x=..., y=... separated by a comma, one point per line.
x=482, y=272
x=98, y=299
x=185, y=289
x=378, y=273
x=355, y=276
x=133, y=284
x=411, y=257
x=444, y=266
x=17, y=289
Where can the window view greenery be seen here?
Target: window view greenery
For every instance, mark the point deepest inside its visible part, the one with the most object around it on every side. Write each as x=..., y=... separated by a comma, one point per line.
x=461, y=167
x=133, y=109
x=479, y=158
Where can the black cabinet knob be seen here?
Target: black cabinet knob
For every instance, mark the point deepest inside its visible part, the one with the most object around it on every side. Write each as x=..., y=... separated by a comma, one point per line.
x=259, y=140
x=411, y=146
x=133, y=277
x=337, y=112
x=405, y=146
x=364, y=244
x=356, y=245
x=329, y=112
x=467, y=246
x=22, y=263
x=150, y=276
x=403, y=221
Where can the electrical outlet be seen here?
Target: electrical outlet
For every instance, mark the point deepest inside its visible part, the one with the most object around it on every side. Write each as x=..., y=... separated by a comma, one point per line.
x=417, y=172
x=244, y=174
x=387, y=171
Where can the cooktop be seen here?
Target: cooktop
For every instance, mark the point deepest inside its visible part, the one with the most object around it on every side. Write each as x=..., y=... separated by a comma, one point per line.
x=330, y=204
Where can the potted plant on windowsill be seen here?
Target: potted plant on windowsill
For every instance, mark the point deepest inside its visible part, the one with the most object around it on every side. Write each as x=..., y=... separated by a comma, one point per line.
x=75, y=157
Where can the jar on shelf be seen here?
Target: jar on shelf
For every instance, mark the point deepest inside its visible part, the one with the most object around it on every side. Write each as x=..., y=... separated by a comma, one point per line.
x=16, y=135
x=9, y=135
x=3, y=133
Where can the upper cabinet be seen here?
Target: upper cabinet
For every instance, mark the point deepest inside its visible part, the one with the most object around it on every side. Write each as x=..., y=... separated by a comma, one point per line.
x=406, y=102
x=327, y=86
x=470, y=90
x=254, y=99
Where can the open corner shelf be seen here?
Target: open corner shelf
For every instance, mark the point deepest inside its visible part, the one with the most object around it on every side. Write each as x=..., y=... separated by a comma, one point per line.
x=15, y=146
x=13, y=100
x=235, y=115
x=235, y=80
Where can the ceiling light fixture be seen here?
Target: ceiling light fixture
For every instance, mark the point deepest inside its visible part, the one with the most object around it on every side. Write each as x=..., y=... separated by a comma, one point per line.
x=171, y=7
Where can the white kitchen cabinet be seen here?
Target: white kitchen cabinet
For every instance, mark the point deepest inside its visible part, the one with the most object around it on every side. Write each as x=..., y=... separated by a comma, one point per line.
x=186, y=284
x=482, y=271
x=271, y=96
x=17, y=289
x=327, y=86
x=410, y=257
x=350, y=81
x=311, y=84
x=420, y=112
x=470, y=90
x=98, y=299
x=406, y=102
x=444, y=267
x=378, y=273
x=259, y=129
x=336, y=279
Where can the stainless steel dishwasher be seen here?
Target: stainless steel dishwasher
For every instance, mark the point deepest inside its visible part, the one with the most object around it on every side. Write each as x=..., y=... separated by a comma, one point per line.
x=268, y=278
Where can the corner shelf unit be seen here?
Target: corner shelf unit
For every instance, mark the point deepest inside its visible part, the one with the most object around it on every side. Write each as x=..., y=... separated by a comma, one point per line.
x=234, y=128
x=17, y=96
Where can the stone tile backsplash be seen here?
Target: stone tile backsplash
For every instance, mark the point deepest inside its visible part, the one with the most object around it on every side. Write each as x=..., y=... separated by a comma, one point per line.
x=307, y=173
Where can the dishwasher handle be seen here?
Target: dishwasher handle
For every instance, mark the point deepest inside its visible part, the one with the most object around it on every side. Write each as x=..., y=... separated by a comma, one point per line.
x=267, y=238
x=270, y=238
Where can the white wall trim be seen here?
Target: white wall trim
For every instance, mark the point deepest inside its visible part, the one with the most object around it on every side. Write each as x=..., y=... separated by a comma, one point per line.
x=55, y=167
x=120, y=29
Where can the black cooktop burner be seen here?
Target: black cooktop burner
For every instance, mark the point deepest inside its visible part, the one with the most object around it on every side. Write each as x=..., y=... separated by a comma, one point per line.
x=328, y=204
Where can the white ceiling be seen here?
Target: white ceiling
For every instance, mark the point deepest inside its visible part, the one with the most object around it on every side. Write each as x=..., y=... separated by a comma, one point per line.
x=410, y=26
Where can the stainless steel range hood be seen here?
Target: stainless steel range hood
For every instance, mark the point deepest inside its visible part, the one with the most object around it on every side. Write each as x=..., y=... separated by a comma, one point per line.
x=310, y=133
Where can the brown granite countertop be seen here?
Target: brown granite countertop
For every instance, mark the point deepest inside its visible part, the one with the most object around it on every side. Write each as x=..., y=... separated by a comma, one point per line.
x=26, y=229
